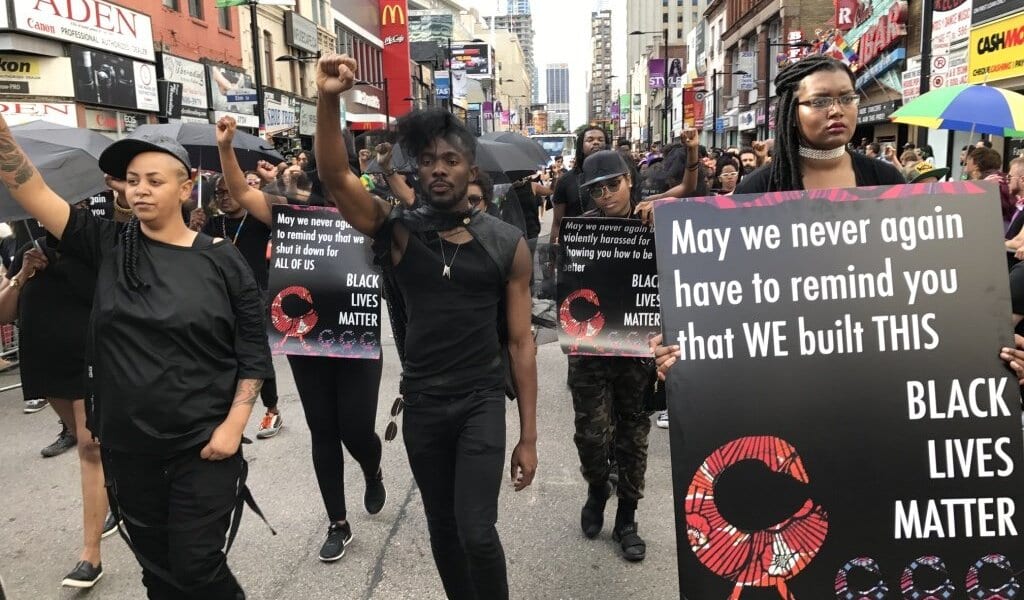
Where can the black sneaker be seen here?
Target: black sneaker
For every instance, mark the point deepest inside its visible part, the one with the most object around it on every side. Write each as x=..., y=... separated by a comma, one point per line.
x=338, y=537
x=634, y=549
x=84, y=575
x=109, y=525
x=65, y=441
x=376, y=496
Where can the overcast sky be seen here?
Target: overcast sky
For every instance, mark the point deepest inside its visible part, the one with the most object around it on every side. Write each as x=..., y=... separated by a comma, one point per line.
x=565, y=38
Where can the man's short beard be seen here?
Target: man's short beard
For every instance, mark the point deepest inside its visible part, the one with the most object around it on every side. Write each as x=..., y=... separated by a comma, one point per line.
x=458, y=195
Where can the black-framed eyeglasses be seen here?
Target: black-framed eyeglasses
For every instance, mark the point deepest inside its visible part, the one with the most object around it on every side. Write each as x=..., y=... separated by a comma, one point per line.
x=391, y=432
x=597, y=191
x=826, y=102
x=474, y=199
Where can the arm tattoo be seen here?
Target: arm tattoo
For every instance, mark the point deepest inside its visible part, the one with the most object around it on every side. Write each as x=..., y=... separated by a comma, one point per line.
x=15, y=168
x=247, y=392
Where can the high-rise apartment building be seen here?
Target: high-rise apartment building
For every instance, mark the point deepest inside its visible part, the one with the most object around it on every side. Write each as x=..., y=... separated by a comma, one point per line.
x=520, y=24
x=677, y=16
x=558, y=94
x=601, y=83
x=517, y=7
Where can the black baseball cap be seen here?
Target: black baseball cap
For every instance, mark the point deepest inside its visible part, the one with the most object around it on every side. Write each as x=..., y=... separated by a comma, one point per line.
x=602, y=165
x=115, y=159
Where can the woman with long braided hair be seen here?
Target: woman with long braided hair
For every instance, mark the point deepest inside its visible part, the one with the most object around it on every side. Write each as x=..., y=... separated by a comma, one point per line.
x=816, y=118
x=177, y=353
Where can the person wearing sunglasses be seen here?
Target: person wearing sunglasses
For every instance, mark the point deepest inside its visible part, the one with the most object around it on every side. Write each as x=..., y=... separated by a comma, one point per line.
x=605, y=386
x=480, y=194
x=338, y=395
x=817, y=116
x=727, y=175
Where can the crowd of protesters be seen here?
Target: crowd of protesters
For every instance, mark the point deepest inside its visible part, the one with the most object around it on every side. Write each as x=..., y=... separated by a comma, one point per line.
x=159, y=379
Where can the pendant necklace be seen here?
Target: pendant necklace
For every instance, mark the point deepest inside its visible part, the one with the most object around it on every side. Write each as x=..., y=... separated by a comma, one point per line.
x=224, y=228
x=447, y=271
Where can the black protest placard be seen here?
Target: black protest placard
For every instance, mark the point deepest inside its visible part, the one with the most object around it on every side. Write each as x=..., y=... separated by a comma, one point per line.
x=324, y=289
x=841, y=423
x=607, y=289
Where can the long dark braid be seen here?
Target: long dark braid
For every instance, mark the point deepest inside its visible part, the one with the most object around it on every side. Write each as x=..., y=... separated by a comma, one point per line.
x=130, y=242
x=785, y=173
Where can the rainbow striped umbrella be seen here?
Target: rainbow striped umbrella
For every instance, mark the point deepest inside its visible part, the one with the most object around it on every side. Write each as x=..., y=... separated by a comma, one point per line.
x=969, y=107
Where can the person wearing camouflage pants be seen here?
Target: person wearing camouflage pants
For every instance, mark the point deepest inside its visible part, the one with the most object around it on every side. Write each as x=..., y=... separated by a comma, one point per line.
x=608, y=396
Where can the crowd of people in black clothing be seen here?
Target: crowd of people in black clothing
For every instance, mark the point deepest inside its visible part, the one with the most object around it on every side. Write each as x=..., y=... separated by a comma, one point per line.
x=160, y=378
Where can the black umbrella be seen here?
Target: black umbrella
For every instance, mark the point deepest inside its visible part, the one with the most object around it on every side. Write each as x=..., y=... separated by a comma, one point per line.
x=66, y=157
x=200, y=139
x=526, y=145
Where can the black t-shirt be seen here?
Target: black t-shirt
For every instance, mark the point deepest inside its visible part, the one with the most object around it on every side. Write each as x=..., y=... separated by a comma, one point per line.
x=528, y=204
x=166, y=358
x=567, y=192
x=451, y=340
x=868, y=172
x=1017, y=288
x=250, y=236
x=53, y=318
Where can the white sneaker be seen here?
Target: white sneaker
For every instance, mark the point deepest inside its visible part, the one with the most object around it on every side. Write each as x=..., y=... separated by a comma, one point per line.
x=662, y=419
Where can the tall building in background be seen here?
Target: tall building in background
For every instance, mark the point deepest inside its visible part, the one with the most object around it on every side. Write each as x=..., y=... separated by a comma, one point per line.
x=599, y=101
x=519, y=21
x=558, y=94
x=678, y=16
x=517, y=7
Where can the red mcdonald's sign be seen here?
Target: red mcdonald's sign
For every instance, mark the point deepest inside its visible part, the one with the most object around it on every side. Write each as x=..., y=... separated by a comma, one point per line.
x=394, y=30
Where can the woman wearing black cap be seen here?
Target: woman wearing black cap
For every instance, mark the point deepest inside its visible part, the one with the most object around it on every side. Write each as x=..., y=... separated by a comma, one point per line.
x=175, y=368
x=602, y=386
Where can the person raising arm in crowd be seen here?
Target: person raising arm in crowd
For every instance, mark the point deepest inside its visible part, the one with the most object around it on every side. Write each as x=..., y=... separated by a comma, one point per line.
x=176, y=369
x=457, y=282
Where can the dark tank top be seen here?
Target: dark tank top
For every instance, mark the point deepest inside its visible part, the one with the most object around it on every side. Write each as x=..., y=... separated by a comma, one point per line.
x=451, y=345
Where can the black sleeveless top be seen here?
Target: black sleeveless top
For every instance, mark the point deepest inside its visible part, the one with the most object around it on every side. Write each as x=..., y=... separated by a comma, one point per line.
x=451, y=341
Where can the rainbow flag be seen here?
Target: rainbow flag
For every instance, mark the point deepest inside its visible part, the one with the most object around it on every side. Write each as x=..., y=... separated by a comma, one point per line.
x=848, y=53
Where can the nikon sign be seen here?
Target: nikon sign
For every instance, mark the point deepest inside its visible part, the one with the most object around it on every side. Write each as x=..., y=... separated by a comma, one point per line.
x=36, y=76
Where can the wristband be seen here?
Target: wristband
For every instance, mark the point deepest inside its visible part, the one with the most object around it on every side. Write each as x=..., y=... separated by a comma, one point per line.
x=389, y=172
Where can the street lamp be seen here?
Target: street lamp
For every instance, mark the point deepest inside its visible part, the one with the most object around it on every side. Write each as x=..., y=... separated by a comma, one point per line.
x=767, y=76
x=664, y=102
x=300, y=59
x=714, y=102
x=387, y=104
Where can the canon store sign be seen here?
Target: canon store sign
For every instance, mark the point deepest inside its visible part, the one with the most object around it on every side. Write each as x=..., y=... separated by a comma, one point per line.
x=93, y=23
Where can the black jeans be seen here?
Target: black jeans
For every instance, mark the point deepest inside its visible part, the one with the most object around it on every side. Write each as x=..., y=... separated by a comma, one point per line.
x=177, y=511
x=456, y=448
x=339, y=397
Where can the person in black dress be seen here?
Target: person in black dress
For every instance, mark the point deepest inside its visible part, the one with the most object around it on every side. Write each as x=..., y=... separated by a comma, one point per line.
x=50, y=294
x=177, y=353
x=251, y=237
x=338, y=395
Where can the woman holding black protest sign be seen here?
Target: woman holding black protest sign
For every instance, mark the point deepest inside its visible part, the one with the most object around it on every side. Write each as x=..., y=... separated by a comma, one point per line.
x=338, y=395
x=175, y=369
x=817, y=116
x=603, y=386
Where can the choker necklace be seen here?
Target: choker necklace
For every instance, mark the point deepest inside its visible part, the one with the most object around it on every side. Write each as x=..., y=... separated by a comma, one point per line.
x=832, y=154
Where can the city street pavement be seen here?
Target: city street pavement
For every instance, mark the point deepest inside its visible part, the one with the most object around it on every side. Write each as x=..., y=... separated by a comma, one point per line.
x=390, y=558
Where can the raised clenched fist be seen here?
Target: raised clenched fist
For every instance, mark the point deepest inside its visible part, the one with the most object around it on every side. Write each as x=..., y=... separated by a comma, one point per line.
x=335, y=74
x=226, y=130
